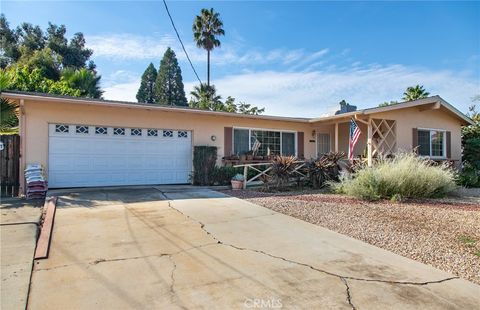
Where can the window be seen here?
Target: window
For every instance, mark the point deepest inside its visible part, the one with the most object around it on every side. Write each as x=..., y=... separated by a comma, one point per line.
x=61, y=128
x=168, y=133
x=118, y=131
x=101, y=130
x=288, y=143
x=152, y=133
x=264, y=142
x=323, y=143
x=81, y=129
x=135, y=132
x=183, y=134
x=240, y=141
x=431, y=143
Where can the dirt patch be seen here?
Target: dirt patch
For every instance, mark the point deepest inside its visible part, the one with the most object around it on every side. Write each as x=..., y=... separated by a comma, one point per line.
x=442, y=233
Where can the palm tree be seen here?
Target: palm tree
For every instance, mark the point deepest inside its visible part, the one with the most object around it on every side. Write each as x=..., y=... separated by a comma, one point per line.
x=206, y=28
x=205, y=97
x=414, y=93
x=88, y=82
x=8, y=117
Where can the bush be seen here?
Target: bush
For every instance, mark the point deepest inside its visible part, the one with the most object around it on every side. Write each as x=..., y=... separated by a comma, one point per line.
x=204, y=160
x=405, y=176
x=470, y=175
x=223, y=175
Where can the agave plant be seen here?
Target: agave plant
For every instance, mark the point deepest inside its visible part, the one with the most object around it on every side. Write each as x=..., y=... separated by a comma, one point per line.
x=324, y=169
x=282, y=169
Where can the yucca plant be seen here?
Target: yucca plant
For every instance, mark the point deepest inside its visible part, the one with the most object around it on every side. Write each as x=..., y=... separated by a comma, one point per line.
x=282, y=169
x=323, y=169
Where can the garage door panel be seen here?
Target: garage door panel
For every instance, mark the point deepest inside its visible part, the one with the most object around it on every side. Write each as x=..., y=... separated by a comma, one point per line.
x=101, y=160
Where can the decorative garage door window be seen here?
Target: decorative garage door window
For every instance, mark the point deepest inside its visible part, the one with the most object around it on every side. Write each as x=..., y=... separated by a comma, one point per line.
x=61, y=128
x=135, y=132
x=81, y=129
x=101, y=130
x=182, y=134
x=152, y=133
x=118, y=131
x=168, y=133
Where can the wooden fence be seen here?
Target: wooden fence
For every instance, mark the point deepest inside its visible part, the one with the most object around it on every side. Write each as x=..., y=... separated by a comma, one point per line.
x=9, y=165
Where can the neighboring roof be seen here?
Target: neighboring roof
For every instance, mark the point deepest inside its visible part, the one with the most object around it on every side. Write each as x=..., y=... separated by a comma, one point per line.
x=400, y=105
x=82, y=100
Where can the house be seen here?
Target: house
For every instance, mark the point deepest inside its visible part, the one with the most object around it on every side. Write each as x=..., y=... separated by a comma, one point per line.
x=89, y=142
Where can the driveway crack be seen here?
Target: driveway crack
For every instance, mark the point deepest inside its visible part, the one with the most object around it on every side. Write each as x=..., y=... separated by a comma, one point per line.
x=202, y=226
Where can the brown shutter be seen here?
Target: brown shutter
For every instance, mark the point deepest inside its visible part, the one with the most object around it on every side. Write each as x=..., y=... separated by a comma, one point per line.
x=227, y=138
x=300, y=142
x=415, y=140
x=449, y=144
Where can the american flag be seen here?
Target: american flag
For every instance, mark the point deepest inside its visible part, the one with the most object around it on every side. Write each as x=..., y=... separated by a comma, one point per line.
x=354, y=135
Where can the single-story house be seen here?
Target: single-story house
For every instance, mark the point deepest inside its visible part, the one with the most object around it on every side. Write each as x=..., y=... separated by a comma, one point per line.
x=88, y=142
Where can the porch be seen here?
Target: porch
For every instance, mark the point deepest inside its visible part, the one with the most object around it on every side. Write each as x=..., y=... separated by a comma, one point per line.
x=378, y=137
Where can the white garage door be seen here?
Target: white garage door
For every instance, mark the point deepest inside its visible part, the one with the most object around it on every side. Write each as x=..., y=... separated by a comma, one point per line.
x=103, y=156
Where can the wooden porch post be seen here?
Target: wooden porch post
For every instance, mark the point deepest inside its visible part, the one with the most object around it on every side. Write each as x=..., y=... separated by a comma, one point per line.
x=22, y=127
x=369, y=142
x=245, y=174
x=336, y=137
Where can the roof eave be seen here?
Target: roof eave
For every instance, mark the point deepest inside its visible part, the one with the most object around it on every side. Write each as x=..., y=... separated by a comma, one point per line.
x=121, y=104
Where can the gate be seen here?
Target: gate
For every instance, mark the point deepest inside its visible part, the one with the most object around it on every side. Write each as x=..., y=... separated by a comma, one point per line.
x=9, y=165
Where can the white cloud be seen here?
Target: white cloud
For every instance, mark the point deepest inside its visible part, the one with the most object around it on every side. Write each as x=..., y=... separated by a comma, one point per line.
x=122, y=91
x=310, y=94
x=134, y=47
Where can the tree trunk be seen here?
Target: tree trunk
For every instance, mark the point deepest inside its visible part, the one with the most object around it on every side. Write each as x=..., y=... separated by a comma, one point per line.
x=208, y=67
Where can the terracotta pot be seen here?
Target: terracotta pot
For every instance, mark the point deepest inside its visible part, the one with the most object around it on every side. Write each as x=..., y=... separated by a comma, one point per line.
x=237, y=184
x=249, y=157
x=243, y=157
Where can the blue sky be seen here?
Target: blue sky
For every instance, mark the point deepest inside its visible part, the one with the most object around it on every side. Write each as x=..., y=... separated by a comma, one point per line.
x=293, y=58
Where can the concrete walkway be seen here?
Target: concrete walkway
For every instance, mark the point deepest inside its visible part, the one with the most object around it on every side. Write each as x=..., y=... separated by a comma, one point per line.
x=18, y=235
x=194, y=248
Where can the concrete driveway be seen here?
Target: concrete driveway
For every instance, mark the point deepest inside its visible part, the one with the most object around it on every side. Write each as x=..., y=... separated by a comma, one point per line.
x=171, y=247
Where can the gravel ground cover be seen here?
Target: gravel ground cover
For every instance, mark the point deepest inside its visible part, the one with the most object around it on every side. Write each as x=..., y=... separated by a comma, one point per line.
x=442, y=233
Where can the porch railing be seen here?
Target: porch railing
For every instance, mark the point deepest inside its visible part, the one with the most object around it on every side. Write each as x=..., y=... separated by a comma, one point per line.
x=296, y=171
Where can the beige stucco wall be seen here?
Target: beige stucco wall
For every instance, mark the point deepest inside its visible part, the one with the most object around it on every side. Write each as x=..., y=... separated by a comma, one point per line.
x=38, y=114
x=406, y=120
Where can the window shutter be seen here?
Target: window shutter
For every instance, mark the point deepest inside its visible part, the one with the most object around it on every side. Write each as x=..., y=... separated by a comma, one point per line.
x=227, y=138
x=415, y=140
x=449, y=144
x=300, y=142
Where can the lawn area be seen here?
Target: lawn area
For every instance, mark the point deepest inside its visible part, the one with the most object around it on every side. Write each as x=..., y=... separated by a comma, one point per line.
x=442, y=233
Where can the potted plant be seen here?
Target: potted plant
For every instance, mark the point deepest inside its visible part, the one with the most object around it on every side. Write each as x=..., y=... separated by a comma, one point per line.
x=237, y=181
x=249, y=155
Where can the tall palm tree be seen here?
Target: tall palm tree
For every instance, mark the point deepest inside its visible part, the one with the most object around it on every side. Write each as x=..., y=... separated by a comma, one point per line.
x=414, y=93
x=206, y=28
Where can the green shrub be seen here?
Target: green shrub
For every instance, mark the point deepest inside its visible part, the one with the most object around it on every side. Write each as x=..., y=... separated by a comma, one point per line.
x=223, y=175
x=405, y=176
x=470, y=175
x=204, y=160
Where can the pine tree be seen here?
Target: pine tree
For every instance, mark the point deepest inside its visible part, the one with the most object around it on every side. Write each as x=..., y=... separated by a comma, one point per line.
x=146, y=92
x=169, y=85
